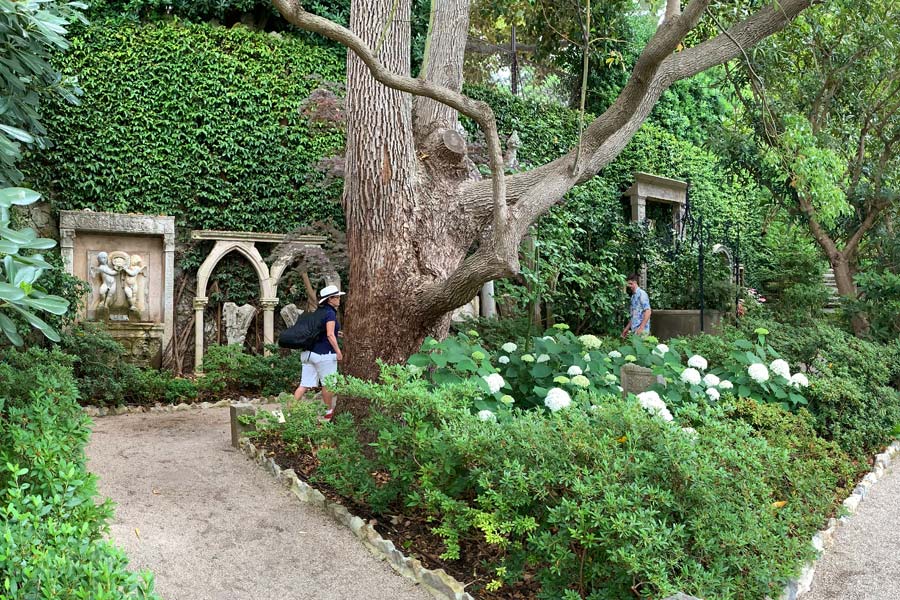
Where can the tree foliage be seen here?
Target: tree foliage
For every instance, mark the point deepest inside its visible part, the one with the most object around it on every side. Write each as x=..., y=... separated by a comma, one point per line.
x=30, y=33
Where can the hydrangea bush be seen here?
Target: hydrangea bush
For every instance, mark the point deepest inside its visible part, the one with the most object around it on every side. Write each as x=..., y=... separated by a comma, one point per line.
x=558, y=368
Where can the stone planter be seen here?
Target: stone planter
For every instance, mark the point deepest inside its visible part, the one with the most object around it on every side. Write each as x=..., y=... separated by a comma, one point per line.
x=666, y=324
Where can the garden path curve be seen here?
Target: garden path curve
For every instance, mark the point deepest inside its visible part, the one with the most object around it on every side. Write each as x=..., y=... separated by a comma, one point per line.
x=863, y=562
x=212, y=525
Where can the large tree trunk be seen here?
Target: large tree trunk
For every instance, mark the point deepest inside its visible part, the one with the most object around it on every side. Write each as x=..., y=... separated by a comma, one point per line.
x=400, y=208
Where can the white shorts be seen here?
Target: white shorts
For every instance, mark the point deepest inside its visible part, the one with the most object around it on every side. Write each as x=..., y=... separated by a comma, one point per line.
x=316, y=367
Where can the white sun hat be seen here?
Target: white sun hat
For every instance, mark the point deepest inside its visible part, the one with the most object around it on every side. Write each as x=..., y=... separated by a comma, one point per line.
x=328, y=291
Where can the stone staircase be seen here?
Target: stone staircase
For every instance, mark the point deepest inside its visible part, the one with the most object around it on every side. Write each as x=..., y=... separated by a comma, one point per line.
x=834, y=299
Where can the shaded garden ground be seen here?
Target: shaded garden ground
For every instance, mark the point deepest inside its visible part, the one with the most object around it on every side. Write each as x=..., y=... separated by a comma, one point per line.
x=211, y=525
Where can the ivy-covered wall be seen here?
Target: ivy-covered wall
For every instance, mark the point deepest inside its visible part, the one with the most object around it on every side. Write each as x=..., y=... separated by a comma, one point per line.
x=193, y=120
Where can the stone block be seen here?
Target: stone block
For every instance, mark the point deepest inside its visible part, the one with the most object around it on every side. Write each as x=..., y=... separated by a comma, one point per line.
x=636, y=379
x=340, y=513
x=237, y=428
x=441, y=583
x=358, y=527
x=852, y=503
x=301, y=490
x=316, y=497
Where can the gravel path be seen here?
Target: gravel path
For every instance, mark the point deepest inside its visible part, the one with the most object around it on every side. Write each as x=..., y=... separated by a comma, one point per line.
x=864, y=562
x=211, y=525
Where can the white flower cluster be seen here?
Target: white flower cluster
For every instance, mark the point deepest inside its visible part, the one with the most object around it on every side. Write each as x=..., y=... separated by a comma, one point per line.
x=726, y=385
x=799, y=380
x=486, y=415
x=713, y=393
x=495, y=382
x=543, y=358
x=698, y=362
x=660, y=349
x=780, y=367
x=758, y=372
x=615, y=354
x=503, y=360
x=654, y=405
x=509, y=347
x=581, y=381
x=691, y=376
x=557, y=399
x=574, y=370
x=710, y=380
x=590, y=342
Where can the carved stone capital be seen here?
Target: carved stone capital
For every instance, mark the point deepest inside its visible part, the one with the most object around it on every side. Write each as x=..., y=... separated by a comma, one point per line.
x=200, y=303
x=67, y=238
x=268, y=304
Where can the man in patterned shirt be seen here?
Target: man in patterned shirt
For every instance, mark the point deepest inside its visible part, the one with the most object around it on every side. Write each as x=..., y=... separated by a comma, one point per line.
x=639, y=317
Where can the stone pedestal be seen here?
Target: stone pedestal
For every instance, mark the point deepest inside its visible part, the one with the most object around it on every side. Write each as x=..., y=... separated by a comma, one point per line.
x=238, y=429
x=635, y=379
x=667, y=324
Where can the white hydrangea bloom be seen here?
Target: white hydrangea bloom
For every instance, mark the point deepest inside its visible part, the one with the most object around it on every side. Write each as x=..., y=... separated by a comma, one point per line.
x=590, y=342
x=557, y=399
x=586, y=358
x=726, y=385
x=711, y=380
x=503, y=360
x=486, y=415
x=548, y=338
x=507, y=400
x=495, y=382
x=660, y=349
x=611, y=378
x=665, y=415
x=698, y=362
x=690, y=432
x=691, y=376
x=543, y=358
x=758, y=372
x=574, y=370
x=527, y=358
x=780, y=367
x=713, y=393
x=509, y=347
x=581, y=381
x=799, y=380
x=654, y=405
x=615, y=354
x=561, y=379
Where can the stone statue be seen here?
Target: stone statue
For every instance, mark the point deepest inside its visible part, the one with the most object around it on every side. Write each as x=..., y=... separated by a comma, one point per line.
x=134, y=283
x=290, y=313
x=511, y=158
x=108, y=277
x=237, y=320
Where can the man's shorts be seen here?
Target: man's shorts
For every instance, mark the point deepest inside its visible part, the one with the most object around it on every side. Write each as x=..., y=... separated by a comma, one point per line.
x=316, y=367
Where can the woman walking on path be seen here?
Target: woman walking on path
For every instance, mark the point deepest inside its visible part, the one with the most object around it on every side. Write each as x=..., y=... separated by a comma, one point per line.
x=322, y=360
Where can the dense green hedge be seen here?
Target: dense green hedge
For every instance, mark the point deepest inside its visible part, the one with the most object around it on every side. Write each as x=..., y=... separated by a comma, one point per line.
x=192, y=120
x=51, y=527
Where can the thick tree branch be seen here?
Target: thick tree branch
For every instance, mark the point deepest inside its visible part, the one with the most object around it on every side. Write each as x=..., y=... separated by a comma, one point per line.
x=478, y=111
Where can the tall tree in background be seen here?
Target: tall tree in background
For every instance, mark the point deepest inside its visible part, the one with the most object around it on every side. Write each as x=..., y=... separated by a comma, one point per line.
x=423, y=234
x=823, y=121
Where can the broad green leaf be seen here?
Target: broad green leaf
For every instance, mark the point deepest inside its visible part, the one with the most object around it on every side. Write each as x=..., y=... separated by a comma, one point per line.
x=38, y=323
x=18, y=197
x=52, y=304
x=9, y=328
x=11, y=293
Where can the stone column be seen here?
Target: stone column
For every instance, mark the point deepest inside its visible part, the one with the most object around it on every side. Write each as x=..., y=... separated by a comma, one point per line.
x=488, y=306
x=638, y=208
x=67, y=249
x=268, y=306
x=169, y=286
x=199, y=306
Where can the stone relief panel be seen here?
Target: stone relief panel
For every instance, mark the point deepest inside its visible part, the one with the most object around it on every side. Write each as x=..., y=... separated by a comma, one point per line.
x=120, y=290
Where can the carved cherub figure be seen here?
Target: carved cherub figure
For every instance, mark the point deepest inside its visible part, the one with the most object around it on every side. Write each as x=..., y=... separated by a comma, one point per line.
x=107, y=280
x=132, y=287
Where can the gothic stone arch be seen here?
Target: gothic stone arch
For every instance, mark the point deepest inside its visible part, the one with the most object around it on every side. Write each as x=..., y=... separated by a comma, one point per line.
x=243, y=243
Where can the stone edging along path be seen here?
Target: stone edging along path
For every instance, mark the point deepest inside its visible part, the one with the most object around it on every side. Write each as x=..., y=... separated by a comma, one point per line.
x=437, y=581
x=825, y=538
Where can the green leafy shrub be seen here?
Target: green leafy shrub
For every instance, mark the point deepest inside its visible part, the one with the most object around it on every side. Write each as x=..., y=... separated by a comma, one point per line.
x=103, y=375
x=20, y=293
x=591, y=500
x=51, y=526
x=229, y=370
